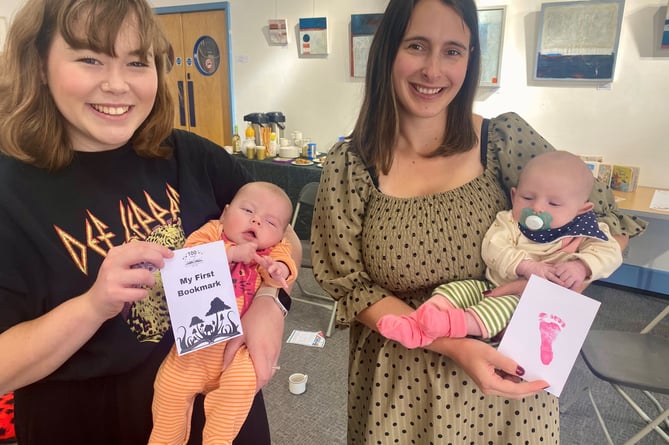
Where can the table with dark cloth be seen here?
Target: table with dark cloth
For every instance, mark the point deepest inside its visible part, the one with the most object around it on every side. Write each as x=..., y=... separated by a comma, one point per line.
x=289, y=177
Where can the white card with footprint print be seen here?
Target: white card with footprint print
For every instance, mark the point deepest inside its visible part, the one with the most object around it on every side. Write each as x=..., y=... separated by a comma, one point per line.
x=547, y=331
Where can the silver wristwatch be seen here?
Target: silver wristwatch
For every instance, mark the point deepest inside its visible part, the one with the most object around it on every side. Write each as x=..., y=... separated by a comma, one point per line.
x=274, y=294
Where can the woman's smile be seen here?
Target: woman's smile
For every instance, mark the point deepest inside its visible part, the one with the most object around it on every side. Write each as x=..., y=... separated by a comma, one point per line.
x=111, y=110
x=427, y=91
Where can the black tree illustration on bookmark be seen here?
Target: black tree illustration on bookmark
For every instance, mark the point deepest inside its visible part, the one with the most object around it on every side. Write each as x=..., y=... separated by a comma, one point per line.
x=217, y=309
x=216, y=325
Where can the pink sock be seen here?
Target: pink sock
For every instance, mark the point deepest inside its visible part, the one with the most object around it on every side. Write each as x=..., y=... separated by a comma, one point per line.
x=404, y=329
x=435, y=322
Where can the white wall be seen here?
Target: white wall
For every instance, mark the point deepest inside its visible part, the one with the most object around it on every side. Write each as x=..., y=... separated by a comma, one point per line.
x=317, y=94
x=627, y=123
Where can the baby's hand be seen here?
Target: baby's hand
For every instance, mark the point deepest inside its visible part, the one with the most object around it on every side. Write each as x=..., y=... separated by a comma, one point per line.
x=276, y=269
x=572, y=274
x=242, y=253
x=527, y=268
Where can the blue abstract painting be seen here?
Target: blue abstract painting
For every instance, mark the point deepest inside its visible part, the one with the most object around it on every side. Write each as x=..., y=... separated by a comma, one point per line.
x=579, y=40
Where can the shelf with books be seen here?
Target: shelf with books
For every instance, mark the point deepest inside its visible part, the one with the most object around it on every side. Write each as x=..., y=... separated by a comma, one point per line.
x=646, y=260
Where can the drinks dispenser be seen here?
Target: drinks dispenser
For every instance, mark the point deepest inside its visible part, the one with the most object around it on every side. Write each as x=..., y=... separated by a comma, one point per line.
x=277, y=121
x=258, y=121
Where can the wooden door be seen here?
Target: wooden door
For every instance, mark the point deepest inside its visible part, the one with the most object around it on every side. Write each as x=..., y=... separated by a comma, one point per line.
x=176, y=70
x=200, y=74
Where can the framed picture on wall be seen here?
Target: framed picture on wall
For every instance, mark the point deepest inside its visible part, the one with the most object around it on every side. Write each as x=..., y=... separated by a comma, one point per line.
x=313, y=36
x=578, y=41
x=363, y=27
x=491, y=35
x=665, y=34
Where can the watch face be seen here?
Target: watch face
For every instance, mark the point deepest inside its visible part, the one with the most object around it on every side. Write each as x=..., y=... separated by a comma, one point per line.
x=284, y=311
x=284, y=299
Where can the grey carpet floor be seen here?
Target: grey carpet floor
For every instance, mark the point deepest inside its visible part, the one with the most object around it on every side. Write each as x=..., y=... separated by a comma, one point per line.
x=318, y=417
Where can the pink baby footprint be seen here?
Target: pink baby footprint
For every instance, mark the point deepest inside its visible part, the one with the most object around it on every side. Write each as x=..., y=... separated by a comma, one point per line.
x=549, y=328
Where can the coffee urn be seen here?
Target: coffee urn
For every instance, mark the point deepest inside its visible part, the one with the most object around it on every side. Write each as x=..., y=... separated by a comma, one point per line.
x=258, y=121
x=277, y=121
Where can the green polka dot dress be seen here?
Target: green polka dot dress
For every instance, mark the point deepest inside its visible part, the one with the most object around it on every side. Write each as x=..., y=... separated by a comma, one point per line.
x=366, y=245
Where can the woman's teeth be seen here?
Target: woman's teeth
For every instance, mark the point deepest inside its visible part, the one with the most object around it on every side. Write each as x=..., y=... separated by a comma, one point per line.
x=423, y=90
x=112, y=111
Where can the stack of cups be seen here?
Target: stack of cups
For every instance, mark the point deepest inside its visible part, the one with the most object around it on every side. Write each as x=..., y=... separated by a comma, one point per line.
x=297, y=138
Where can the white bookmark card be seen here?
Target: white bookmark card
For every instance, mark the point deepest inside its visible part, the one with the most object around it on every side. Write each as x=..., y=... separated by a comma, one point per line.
x=200, y=297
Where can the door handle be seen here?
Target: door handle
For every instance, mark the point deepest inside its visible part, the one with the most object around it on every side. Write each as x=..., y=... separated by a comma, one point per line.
x=191, y=101
x=182, y=109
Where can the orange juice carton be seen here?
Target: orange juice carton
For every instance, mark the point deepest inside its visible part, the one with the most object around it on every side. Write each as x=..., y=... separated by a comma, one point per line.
x=624, y=178
x=601, y=171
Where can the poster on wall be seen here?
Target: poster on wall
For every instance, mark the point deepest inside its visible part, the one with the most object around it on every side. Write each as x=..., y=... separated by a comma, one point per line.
x=578, y=41
x=363, y=27
x=278, y=31
x=314, y=36
x=665, y=34
x=491, y=35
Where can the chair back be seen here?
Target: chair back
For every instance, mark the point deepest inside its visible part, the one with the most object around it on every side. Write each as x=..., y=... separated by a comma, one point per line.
x=631, y=360
x=307, y=197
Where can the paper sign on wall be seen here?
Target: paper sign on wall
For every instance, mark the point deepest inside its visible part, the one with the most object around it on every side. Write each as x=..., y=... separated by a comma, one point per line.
x=314, y=36
x=278, y=31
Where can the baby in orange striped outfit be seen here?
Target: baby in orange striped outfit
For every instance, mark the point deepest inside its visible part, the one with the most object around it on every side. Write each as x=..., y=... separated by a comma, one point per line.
x=253, y=227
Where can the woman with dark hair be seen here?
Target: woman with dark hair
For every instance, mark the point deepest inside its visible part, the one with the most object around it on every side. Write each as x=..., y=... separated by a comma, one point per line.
x=403, y=205
x=94, y=182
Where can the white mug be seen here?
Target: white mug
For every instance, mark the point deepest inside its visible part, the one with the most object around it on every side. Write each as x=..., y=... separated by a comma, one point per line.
x=297, y=383
x=297, y=138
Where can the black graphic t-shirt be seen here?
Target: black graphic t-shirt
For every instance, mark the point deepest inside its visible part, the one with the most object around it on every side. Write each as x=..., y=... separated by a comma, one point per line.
x=57, y=228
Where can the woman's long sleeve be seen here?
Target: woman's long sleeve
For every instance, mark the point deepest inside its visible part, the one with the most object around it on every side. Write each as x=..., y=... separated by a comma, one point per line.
x=336, y=234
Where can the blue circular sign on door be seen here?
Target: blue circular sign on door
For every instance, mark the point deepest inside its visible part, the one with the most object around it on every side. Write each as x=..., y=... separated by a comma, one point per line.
x=207, y=55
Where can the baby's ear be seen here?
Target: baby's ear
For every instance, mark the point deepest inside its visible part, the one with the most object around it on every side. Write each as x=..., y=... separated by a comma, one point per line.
x=513, y=192
x=223, y=212
x=586, y=207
